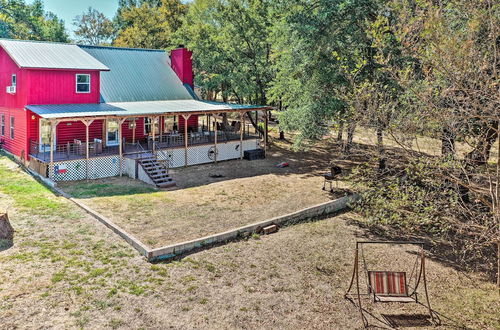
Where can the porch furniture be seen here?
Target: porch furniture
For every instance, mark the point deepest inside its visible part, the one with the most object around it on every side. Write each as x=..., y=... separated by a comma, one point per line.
x=332, y=176
x=79, y=147
x=97, y=146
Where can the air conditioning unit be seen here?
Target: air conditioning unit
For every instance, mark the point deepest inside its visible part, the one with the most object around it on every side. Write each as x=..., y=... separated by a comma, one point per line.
x=11, y=89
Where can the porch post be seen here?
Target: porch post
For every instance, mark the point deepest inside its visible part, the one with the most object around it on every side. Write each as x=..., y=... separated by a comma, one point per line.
x=215, y=139
x=266, y=131
x=153, y=129
x=53, y=125
x=242, y=125
x=87, y=144
x=120, y=145
x=133, y=130
x=186, y=117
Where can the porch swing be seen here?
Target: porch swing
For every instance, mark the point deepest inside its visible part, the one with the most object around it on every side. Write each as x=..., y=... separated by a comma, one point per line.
x=390, y=286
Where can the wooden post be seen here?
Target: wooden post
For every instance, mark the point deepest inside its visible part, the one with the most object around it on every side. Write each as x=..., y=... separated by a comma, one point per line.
x=120, y=145
x=53, y=126
x=153, y=129
x=186, y=117
x=87, y=123
x=133, y=130
x=242, y=127
x=215, y=138
x=266, y=131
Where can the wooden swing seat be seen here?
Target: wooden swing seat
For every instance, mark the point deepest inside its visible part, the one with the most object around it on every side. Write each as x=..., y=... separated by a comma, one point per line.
x=387, y=286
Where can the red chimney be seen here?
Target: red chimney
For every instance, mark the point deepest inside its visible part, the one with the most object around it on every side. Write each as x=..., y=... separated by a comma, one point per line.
x=182, y=64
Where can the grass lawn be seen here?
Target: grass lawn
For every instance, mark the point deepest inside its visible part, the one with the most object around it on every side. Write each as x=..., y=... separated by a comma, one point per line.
x=246, y=192
x=66, y=270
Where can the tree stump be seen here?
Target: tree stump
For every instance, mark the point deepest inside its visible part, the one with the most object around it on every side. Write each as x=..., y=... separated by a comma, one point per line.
x=6, y=230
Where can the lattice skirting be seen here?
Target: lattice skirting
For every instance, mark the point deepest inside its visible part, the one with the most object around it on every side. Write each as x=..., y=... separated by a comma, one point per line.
x=100, y=167
x=206, y=153
x=103, y=167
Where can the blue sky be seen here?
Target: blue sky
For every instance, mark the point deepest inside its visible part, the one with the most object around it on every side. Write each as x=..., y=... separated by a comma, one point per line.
x=68, y=9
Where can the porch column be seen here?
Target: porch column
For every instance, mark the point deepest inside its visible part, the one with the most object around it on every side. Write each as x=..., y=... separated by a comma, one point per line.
x=266, y=131
x=153, y=129
x=120, y=143
x=242, y=127
x=53, y=125
x=87, y=123
x=134, y=124
x=186, y=117
x=215, y=138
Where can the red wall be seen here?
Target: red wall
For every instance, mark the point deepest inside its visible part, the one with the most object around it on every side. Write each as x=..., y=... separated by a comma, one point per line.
x=59, y=87
x=13, y=105
x=182, y=64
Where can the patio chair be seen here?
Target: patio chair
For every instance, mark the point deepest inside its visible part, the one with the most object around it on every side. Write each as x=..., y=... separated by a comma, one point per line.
x=332, y=176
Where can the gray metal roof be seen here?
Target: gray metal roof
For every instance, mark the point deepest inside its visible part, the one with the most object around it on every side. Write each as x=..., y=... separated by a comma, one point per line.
x=135, y=108
x=137, y=75
x=49, y=55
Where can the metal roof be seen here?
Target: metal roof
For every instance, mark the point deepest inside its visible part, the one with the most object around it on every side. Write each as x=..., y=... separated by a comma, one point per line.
x=49, y=55
x=135, y=108
x=137, y=75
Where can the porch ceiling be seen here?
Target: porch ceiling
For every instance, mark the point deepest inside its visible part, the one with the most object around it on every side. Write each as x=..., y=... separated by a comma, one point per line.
x=137, y=109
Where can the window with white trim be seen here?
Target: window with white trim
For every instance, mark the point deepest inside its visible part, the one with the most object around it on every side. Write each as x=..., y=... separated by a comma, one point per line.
x=12, y=128
x=83, y=83
x=2, y=125
x=148, y=126
x=14, y=80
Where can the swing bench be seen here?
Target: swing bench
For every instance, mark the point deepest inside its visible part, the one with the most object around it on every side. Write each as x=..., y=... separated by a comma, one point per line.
x=389, y=286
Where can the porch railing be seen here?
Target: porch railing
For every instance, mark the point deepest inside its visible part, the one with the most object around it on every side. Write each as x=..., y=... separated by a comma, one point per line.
x=69, y=150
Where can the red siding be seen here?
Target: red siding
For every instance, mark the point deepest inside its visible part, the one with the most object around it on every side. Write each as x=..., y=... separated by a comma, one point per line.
x=69, y=131
x=128, y=132
x=59, y=87
x=13, y=105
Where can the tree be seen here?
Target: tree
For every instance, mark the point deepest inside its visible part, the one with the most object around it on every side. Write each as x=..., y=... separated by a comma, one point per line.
x=19, y=20
x=232, y=47
x=148, y=24
x=93, y=27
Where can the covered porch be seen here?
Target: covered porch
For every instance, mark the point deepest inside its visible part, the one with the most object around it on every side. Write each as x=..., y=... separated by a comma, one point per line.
x=71, y=141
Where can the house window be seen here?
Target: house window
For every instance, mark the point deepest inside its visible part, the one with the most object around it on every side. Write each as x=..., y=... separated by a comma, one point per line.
x=83, y=83
x=2, y=125
x=14, y=80
x=12, y=128
x=148, y=126
x=170, y=124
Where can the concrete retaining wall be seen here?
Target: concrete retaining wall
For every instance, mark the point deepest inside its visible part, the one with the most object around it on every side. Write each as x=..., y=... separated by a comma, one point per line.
x=171, y=251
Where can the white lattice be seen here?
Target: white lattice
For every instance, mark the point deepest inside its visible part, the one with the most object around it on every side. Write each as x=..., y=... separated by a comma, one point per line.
x=228, y=150
x=68, y=170
x=104, y=167
x=99, y=167
x=201, y=154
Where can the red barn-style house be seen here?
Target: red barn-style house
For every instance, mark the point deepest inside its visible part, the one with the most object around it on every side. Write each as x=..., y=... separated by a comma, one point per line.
x=74, y=112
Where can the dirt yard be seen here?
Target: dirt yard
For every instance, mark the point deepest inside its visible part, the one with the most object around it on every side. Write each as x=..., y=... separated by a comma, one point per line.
x=66, y=270
x=210, y=198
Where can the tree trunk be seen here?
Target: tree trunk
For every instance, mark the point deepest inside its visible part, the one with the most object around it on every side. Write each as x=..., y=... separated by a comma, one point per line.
x=351, y=127
x=382, y=161
x=6, y=230
x=255, y=123
x=448, y=143
x=340, y=132
x=481, y=153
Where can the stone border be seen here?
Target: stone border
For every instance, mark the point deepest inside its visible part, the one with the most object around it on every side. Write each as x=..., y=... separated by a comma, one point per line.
x=175, y=250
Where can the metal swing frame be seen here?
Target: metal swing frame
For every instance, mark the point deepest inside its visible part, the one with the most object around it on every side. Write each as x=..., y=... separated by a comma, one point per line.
x=421, y=278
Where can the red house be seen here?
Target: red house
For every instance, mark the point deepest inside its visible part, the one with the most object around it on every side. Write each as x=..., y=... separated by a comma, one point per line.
x=74, y=112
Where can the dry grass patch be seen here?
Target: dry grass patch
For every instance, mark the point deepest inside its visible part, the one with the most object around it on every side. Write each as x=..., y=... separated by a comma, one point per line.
x=245, y=192
x=68, y=271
